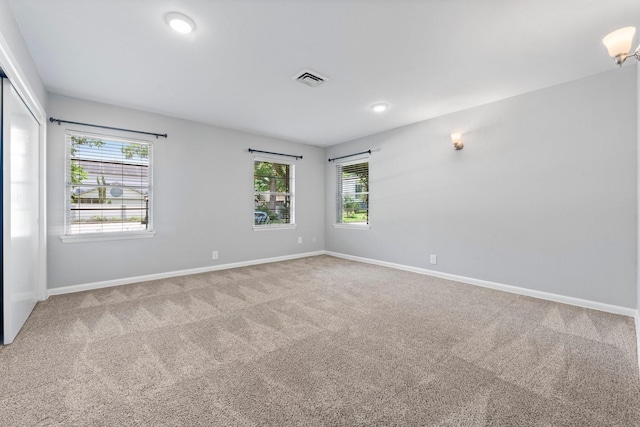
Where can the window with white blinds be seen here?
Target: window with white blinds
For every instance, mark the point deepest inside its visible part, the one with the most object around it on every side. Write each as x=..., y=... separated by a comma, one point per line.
x=108, y=184
x=352, y=193
x=273, y=184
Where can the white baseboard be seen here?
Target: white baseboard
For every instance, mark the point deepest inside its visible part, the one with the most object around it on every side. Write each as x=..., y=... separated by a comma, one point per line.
x=637, y=317
x=166, y=275
x=625, y=311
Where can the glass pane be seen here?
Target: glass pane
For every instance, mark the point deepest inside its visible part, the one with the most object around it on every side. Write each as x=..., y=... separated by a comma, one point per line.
x=272, y=198
x=353, y=193
x=355, y=208
x=109, y=185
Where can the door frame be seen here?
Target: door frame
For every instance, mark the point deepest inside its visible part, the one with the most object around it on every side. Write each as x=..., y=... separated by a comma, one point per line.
x=19, y=80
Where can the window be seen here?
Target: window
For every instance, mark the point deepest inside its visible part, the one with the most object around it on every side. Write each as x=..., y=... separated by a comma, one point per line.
x=352, y=193
x=108, y=185
x=273, y=185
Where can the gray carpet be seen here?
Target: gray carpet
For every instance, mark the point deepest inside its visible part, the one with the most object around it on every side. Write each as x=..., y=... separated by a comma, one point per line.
x=317, y=341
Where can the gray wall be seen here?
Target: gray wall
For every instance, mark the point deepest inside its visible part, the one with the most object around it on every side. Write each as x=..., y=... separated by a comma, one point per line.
x=543, y=196
x=198, y=165
x=10, y=31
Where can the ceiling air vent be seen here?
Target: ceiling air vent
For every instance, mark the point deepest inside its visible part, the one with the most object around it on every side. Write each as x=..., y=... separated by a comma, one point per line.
x=310, y=78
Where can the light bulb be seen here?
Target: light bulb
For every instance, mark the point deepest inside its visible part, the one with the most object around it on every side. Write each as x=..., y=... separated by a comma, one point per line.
x=619, y=41
x=379, y=108
x=180, y=23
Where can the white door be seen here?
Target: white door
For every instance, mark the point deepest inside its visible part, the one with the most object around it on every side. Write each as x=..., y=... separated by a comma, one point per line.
x=20, y=207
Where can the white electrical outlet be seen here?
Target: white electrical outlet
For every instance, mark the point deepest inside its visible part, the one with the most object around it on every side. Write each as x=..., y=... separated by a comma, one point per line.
x=433, y=259
x=313, y=239
x=214, y=255
x=299, y=239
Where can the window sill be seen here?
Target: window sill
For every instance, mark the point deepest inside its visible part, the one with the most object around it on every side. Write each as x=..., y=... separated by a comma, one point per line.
x=101, y=237
x=272, y=227
x=353, y=226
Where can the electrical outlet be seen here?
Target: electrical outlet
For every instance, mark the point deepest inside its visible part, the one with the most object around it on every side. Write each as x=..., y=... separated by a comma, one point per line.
x=433, y=259
x=313, y=239
x=214, y=255
x=299, y=239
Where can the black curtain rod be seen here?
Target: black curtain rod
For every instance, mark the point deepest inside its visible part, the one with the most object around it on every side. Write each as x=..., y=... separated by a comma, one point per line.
x=350, y=155
x=59, y=121
x=251, y=150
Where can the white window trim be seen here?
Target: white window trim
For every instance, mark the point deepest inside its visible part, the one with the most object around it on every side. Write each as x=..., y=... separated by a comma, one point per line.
x=106, y=236
x=97, y=237
x=347, y=225
x=274, y=227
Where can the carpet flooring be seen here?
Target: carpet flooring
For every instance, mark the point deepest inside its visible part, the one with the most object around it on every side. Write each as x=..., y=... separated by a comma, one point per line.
x=317, y=341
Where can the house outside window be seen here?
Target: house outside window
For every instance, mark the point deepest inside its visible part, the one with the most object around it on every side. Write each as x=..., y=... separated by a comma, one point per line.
x=108, y=185
x=352, y=193
x=274, y=200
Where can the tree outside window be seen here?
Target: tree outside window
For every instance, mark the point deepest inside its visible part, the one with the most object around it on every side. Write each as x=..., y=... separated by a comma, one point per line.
x=273, y=193
x=352, y=193
x=108, y=185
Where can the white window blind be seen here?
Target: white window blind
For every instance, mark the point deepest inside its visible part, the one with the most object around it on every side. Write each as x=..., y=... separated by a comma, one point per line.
x=108, y=184
x=274, y=201
x=352, y=193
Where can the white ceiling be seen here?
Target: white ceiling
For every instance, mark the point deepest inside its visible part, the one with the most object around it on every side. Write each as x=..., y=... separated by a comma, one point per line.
x=424, y=58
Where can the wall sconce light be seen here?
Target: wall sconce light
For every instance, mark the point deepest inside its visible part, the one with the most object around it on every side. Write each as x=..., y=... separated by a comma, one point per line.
x=618, y=44
x=457, y=143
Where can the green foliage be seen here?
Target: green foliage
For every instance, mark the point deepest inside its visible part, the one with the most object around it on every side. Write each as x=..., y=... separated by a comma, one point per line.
x=360, y=217
x=78, y=174
x=98, y=218
x=355, y=206
x=359, y=170
x=83, y=140
x=102, y=190
x=139, y=150
x=350, y=206
x=271, y=177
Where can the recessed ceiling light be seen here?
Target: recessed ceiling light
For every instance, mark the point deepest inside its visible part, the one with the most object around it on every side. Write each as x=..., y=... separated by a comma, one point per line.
x=379, y=108
x=179, y=22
